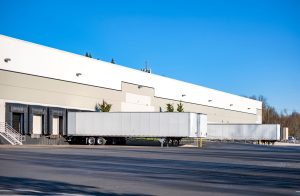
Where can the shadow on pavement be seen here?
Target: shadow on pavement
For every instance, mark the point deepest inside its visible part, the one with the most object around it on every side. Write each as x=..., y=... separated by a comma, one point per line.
x=28, y=186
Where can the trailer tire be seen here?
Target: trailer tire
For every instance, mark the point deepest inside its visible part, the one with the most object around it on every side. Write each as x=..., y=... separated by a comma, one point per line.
x=101, y=141
x=91, y=141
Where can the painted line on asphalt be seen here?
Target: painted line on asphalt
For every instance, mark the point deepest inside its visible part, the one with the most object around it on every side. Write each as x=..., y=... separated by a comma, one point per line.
x=5, y=190
x=29, y=190
x=69, y=194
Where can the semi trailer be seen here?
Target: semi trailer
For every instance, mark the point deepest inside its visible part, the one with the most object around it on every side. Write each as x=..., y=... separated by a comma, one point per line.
x=114, y=127
x=254, y=132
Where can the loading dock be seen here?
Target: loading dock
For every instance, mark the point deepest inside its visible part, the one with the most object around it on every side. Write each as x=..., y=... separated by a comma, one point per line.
x=37, y=124
x=17, y=117
x=37, y=120
x=57, y=121
x=18, y=121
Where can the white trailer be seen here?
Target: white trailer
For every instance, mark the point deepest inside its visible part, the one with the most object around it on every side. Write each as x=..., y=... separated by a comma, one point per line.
x=260, y=132
x=114, y=127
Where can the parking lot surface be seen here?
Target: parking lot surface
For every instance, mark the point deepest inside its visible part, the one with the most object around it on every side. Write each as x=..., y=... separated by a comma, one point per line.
x=216, y=169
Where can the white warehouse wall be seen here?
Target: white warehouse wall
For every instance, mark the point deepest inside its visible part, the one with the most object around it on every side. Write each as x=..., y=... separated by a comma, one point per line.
x=47, y=62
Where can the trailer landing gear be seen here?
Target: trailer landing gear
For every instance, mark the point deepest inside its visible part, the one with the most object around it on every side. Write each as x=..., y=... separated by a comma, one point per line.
x=116, y=141
x=174, y=141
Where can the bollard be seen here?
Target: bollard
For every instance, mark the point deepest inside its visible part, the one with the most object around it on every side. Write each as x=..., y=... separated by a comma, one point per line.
x=200, y=142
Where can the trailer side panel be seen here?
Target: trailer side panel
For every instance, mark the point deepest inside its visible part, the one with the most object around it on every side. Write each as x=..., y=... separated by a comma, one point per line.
x=244, y=131
x=134, y=124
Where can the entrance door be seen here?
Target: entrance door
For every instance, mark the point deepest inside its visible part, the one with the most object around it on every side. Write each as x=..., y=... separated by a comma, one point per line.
x=37, y=124
x=17, y=122
x=55, y=126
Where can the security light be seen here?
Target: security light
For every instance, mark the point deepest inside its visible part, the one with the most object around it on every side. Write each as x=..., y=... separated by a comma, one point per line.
x=6, y=60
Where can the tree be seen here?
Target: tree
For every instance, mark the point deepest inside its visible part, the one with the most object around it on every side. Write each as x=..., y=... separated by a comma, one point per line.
x=104, y=107
x=271, y=116
x=180, y=107
x=170, y=107
x=113, y=61
x=88, y=55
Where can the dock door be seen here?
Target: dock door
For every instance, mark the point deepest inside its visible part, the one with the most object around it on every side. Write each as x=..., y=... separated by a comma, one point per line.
x=37, y=124
x=18, y=122
x=17, y=117
x=56, y=123
x=38, y=120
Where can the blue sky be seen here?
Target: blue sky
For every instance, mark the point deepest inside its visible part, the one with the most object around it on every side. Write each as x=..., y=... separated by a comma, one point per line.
x=241, y=47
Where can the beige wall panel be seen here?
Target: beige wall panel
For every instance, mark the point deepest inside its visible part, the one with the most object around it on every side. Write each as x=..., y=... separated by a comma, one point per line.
x=137, y=89
x=137, y=98
x=2, y=110
x=26, y=88
x=259, y=116
x=214, y=115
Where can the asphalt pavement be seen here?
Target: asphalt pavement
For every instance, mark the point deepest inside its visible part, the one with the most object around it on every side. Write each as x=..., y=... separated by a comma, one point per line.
x=216, y=169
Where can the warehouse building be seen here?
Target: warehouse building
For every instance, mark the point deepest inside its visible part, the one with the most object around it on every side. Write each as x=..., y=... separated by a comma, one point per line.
x=40, y=85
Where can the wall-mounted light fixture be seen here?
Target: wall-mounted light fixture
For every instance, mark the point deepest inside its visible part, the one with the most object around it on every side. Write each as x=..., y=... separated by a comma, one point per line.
x=210, y=100
x=231, y=104
x=249, y=108
x=78, y=74
x=6, y=60
x=183, y=95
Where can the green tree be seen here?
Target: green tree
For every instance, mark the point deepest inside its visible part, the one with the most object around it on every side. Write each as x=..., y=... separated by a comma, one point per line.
x=104, y=107
x=180, y=107
x=170, y=107
x=88, y=55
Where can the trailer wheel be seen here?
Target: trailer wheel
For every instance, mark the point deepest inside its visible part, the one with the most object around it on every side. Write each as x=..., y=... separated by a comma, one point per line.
x=101, y=141
x=91, y=141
